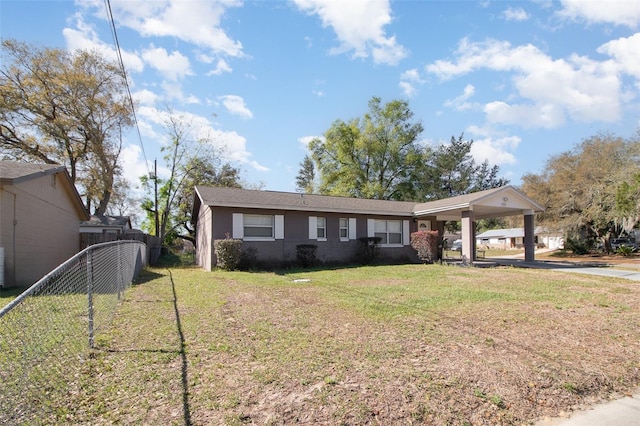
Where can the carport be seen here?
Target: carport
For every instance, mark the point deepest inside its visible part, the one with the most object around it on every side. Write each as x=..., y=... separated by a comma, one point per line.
x=491, y=203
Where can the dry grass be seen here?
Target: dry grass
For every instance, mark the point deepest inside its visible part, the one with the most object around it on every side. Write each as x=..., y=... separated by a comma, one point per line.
x=409, y=344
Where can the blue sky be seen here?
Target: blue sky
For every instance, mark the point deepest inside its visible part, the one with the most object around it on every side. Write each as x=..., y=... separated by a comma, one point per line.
x=524, y=80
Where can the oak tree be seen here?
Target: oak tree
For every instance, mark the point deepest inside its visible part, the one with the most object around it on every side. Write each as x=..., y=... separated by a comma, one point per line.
x=69, y=108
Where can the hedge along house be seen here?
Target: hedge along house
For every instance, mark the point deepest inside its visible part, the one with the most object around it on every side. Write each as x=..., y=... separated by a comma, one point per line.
x=274, y=223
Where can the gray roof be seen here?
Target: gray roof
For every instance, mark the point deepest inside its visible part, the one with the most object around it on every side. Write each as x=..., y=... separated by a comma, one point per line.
x=13, y=172
x=494, y=202
x=502, y=233
x=101, y=220
x=247, y=198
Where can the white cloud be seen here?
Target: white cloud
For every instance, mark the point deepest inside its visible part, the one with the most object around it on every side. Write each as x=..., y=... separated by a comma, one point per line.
x=145, y=97
x=172, y=66
x=626, y=53
x=511, y=14
x=133, y=165
x=318, y=93
x=221, y=67
x=305, y=140
x=231, y=145
x=548, y=89
x=235, y=105
x=408, y=82
x=528, y=116
x=619, y=12
x=196, y=22
x=495, y=151
x=460, y=103
x=495, y=148
x=84, y=37
x=359, y=26
x=173, y=90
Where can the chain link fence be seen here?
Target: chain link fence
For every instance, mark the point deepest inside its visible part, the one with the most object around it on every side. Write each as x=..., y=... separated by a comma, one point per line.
x=47, y=332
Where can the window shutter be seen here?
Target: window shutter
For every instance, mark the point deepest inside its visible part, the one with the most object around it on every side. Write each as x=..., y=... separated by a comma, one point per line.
x=279, y=227
x=406, y=237
x=352, y=228
x=371, y=228
x=313, y=227
x=238, y=226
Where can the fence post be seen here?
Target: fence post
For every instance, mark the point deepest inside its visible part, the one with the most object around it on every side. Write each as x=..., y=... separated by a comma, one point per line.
x=90, y=294
x=120, y=279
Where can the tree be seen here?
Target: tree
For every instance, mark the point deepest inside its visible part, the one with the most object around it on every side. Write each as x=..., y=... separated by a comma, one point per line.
x=190, y=162
x=578, y=188
x=69, y=108
x=628, y=202
x=369, y=157
x=305, y=181
x=450, y=170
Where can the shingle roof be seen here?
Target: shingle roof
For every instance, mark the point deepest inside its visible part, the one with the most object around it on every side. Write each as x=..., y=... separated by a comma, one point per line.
x=101, y=220
x=12, y=172
x=247, y=198
x=483, y=203
x=502, y=233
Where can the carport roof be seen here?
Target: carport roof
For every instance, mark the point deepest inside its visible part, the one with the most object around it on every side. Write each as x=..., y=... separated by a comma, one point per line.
x=495, y=202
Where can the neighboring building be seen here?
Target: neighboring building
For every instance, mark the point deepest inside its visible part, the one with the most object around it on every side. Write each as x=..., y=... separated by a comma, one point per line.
x=513, y=238
x=100, y=229
x=40, y=211
x=274, y=223
x=108, y=225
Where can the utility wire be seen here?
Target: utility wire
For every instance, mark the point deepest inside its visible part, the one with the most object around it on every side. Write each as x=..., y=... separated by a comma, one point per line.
x=126, y=81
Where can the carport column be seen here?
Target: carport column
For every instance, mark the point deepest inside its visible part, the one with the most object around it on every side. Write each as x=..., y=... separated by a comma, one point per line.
x=468, y=237
x=529, y=237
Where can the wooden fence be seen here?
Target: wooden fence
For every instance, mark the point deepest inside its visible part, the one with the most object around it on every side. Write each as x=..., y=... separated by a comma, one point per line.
x=154, y=245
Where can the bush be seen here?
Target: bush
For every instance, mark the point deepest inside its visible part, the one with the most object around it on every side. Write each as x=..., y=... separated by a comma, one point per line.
x=425, y=243
x=306, y=254
x=228, y=253
x=578, y=245
x=626, y=250
x=249, y=259
x=368, y=250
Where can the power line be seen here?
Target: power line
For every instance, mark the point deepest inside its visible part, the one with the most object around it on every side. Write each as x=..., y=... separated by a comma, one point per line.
x=126, y=81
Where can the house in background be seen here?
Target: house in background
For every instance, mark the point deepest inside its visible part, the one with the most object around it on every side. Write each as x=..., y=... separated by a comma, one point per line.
x=274, y=223
x=513, y=238
x=102, y=228
x=40, y=211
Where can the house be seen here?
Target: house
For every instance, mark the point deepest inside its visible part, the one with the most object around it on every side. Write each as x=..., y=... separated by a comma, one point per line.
x=274, y=223
x=40, y=211
x=109, y=225
x=102, y=228
x=514, y=238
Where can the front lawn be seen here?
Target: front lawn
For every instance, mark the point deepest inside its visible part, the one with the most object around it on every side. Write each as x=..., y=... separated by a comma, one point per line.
x=408, y=344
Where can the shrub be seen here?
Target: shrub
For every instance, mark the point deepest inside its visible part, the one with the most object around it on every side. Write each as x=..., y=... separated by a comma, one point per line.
x=249, y=259
x=306, y=254
x=577, y=245
x=368, y=250
x=425, y=243
x=228, y=253
x=626, y=250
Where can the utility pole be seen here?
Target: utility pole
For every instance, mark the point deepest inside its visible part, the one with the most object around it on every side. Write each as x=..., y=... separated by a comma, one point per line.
x=155, y=184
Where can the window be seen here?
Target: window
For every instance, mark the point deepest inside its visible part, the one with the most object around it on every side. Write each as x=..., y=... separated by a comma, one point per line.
x=322, y=228
x=344, y=228
x=389, y=231
x=258, y=226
